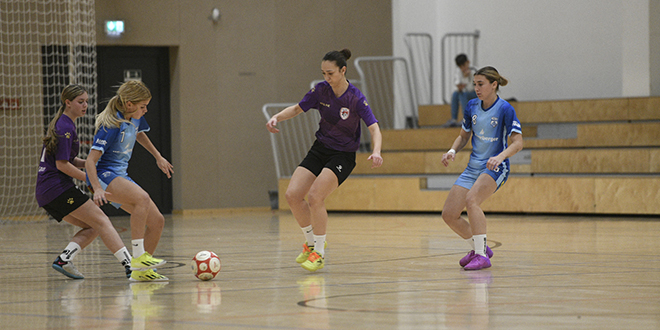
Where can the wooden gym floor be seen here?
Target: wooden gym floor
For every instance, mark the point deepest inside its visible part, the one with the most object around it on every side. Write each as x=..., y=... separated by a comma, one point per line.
x=383, y=271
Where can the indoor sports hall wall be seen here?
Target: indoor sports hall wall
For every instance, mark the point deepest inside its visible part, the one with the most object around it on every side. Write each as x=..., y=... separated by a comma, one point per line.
x=550, y=49
x=260, y=51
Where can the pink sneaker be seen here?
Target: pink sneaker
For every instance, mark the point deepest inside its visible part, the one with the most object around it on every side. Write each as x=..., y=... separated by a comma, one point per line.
x=478, y=262
x=466, y=260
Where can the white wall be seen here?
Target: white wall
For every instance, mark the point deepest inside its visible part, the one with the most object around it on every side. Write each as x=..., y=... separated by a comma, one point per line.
x=548, y=49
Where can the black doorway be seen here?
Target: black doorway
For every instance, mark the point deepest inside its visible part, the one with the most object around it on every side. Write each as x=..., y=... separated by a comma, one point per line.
x=151, y=65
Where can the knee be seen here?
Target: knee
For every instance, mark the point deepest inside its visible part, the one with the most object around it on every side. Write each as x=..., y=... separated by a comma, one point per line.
x=158, y=221
x=471, y=201
x=293, y=196
x=315, y=200
x=449, y=217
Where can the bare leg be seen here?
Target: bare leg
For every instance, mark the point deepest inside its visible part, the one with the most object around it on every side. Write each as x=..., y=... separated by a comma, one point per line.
x=322, y=187
x=132, y=197
x=483, y=188
x=94, y=223
x=301, y=181
x=155, y=223
x=451, y=212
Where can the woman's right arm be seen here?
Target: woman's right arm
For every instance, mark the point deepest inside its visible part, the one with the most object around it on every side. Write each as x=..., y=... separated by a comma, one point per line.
x=90, y=166
x=459, y=143
x=287, y=113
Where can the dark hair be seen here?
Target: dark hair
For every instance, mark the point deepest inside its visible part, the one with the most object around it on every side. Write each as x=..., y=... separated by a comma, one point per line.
x=492, y=75
x=70, y=92
x=460, y=59
x=339, y=57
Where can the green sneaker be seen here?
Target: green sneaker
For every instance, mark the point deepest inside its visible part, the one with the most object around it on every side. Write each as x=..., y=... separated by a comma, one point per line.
x=313, y=263
x=307, y=250
x=145, y=262
x=148, y=275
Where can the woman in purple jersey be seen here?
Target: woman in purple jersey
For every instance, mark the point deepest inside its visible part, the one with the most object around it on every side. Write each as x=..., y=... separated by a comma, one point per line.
x=332, y=157
x=57, y=194
x=477, y=183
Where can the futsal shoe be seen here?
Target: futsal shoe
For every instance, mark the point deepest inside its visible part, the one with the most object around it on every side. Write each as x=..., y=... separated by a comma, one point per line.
x=307, y=250
x=148, y=275
x=67, y=268
x=128, y=271
x=466, y=260
x=313, y=263
x=145, y=262
x=478, y=262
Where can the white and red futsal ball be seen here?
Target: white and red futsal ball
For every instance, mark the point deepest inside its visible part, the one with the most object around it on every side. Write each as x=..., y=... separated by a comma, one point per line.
x=205, y=265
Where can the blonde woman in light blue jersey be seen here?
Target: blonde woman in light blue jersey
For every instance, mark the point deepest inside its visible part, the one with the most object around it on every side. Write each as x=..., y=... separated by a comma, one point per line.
x=118, y=127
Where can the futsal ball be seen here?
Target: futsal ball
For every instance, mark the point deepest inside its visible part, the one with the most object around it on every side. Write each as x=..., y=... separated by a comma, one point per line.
x=205, y=265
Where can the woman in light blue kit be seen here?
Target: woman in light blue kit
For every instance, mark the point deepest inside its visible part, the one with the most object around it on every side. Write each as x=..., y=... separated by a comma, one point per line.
x=117, y=128
x=490, y=121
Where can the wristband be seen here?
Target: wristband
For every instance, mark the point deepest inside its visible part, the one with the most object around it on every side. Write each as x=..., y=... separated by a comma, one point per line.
x=451, y=151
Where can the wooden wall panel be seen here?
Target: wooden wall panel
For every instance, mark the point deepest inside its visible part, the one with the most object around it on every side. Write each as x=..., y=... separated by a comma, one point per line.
x=620, y=160
x=619, y=134
x=435, y=114
x=601, y=195
x=393, y=163
x=639, y=195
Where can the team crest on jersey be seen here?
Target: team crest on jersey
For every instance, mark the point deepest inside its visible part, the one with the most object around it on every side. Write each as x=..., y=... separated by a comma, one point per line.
x=474, y=119
x=344, y=112
x=68, y=135
x=493, y=121
x=365, y=103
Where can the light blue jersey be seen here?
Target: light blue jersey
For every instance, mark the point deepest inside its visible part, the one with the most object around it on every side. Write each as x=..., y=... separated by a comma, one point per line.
x=490, y=130
x=117, y=144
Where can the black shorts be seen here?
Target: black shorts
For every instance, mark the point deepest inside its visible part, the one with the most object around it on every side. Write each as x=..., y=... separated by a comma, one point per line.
x=66, y=203
x=341, y=163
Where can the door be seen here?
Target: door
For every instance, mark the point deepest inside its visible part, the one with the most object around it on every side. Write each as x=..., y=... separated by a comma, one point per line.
x=151, y=65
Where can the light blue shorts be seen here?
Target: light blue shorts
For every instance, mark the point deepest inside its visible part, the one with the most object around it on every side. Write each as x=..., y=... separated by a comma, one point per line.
x=105, y=177
x=470, y=176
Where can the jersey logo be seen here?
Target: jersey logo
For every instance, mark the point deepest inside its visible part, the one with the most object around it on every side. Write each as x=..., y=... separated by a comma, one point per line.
x=493, y=121
x=101, y=142
x=365, y=103
x=344, y=112
x=68, y=135
x=474, y=119
x=69, y=201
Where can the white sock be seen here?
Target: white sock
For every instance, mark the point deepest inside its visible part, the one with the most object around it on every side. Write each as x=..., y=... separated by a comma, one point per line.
x=123, y=256
x=70, y=251
x=470, y=241
x=138, y=247
x=309, y=235
x=480, y=244
x=319, y=244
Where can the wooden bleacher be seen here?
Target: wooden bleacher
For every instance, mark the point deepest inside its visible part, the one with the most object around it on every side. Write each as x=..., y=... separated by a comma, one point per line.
x=610, y=165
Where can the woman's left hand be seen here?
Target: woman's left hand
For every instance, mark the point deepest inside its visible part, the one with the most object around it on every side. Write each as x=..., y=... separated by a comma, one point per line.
x=165, y=166
x=494, y=162
x=376, y=160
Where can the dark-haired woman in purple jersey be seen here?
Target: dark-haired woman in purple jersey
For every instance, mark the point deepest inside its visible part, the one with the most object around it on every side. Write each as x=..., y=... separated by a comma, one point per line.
x=57, y=194
x=332, y=157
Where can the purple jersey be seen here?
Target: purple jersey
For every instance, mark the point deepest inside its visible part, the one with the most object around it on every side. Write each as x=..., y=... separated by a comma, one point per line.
x=51, y=182
x=339, y=128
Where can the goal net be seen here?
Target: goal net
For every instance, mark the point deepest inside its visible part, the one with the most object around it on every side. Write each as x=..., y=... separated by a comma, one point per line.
x=44, y=46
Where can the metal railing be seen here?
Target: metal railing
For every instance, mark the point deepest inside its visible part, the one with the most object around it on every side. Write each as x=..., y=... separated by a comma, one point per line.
x=388, y=86
x=452, y=45
x=420, y=50
x=293, y=141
